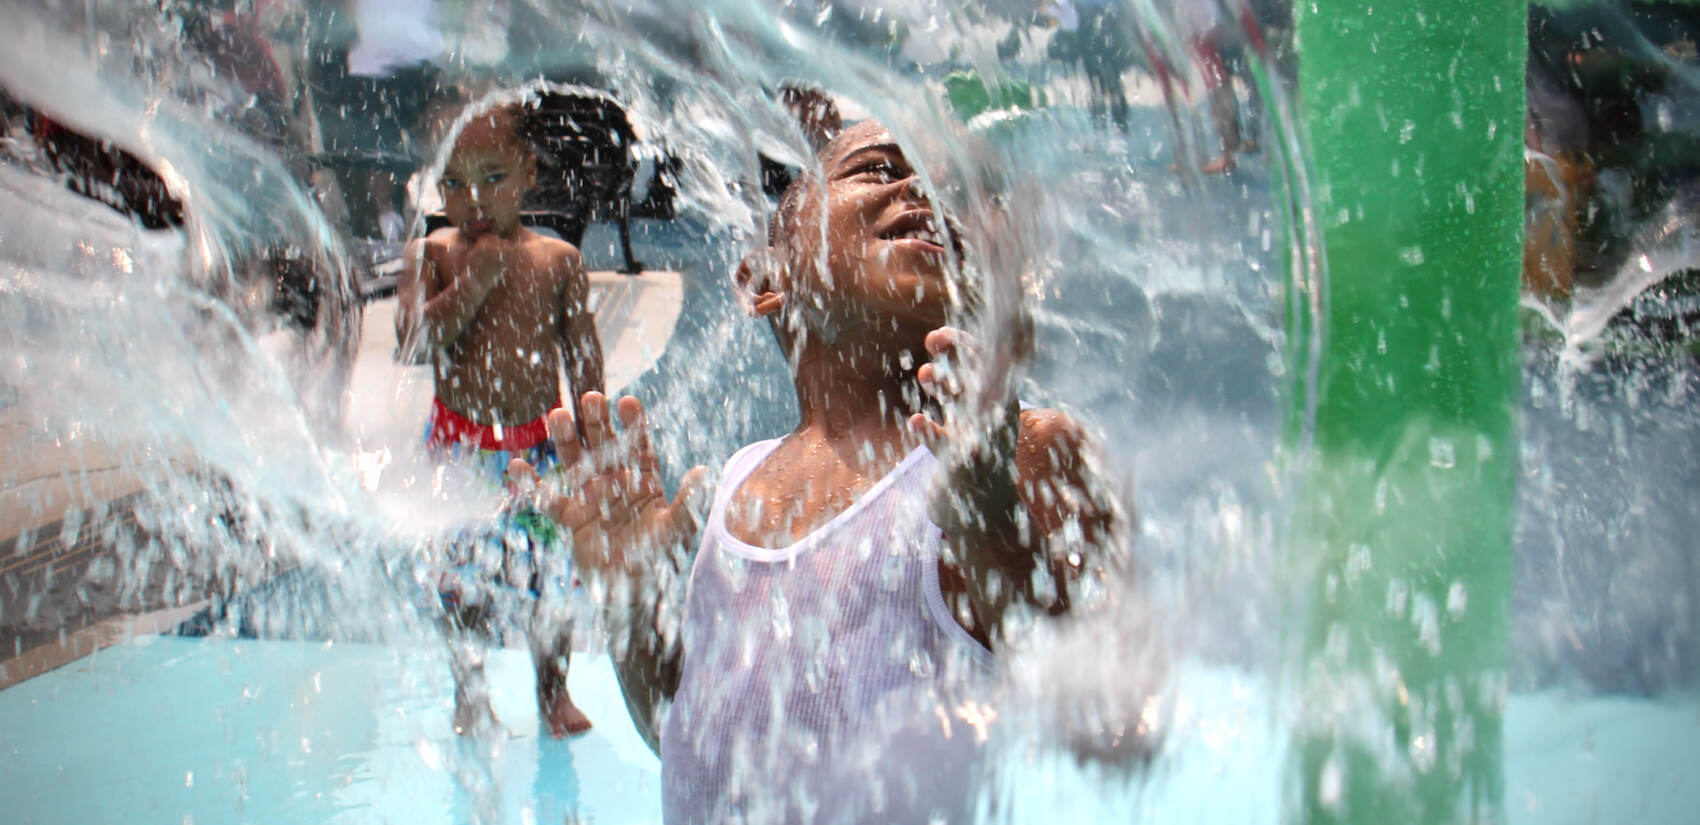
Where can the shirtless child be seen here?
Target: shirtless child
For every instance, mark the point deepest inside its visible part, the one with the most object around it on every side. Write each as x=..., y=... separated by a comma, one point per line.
x=843, y=572
x=498, y=307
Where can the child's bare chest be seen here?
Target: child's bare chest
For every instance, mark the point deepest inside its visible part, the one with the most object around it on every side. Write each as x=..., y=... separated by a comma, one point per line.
x=524, y=302
x=792, y=494
x=526, y=297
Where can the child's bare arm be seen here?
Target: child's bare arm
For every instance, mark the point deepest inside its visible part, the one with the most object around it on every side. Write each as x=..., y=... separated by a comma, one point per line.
x=438, y=312
x=1006, y=502
x=581, y=350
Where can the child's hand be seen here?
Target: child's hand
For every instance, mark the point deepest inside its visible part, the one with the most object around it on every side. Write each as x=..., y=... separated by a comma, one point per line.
x=615, y=506
x=976, y=491
x=487, y=259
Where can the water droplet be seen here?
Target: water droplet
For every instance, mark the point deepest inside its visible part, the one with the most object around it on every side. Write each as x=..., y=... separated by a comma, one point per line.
x=1331, y=783
x=1457, y=600
x=428, y=754
x=1426, y=618
x=1358, y=562
x=1397, y=595
x=891, y=572
x=1441, y=454
x=781, y=616
x=814, y=674
x=921, y=664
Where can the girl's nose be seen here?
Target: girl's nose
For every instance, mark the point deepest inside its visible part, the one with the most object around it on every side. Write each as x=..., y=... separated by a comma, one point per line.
x=912, y=189
x=473, y=194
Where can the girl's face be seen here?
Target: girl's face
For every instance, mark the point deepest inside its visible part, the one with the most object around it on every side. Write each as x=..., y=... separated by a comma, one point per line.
x=885, y=253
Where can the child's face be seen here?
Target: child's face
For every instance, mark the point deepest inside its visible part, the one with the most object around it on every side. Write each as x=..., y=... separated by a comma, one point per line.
x=486, y=177
x=885, y=245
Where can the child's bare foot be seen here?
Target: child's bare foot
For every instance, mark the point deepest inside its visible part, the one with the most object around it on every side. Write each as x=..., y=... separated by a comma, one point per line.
x=1249, y=147
x=1219, y=166
x=562, y=717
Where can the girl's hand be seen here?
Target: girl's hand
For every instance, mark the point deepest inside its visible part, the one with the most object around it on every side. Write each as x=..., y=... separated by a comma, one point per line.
x=614, y=504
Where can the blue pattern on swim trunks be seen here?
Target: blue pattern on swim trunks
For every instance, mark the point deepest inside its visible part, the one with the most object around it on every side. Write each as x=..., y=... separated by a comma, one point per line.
x=519, y=558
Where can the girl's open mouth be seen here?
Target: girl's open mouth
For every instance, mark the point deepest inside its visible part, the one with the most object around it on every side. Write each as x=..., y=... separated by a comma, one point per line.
x=917, y=229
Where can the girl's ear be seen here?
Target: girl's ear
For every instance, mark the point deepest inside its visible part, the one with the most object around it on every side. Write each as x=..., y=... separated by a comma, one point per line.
x=758, y=283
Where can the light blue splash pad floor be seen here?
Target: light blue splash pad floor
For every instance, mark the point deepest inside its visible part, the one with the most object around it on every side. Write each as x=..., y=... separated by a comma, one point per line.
x=169, y=729
x=176, y=730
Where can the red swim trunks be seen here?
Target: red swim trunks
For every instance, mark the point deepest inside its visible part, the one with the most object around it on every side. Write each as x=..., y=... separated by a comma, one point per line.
x=451, y=429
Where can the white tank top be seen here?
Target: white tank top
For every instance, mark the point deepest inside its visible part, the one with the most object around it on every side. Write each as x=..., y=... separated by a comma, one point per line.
x=823, y=682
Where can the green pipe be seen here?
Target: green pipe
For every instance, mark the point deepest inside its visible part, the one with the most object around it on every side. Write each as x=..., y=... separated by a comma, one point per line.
x=1413, y=111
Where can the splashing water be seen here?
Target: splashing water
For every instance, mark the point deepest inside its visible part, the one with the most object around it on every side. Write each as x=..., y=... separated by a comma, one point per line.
x=185, y=396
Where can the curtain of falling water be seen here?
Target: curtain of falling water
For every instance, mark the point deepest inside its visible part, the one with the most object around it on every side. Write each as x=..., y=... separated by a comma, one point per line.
x=1155, y=290
x=1152, y=289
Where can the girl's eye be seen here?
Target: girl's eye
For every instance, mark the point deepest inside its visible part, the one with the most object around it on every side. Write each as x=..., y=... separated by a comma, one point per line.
x=449, y=183
x=495, y=178
x=882, y=170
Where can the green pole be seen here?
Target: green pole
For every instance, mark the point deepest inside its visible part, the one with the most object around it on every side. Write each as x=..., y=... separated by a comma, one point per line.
x=1414, y=114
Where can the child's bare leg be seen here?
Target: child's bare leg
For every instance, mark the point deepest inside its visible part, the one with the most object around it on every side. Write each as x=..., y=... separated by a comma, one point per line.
x=551, y=646
x=562, y=717
x=466, y=661
x=472, y=695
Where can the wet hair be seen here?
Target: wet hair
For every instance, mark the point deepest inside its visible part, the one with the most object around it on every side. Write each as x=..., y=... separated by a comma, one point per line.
x=820, y=121
x=815, y=113
x=527, y=127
